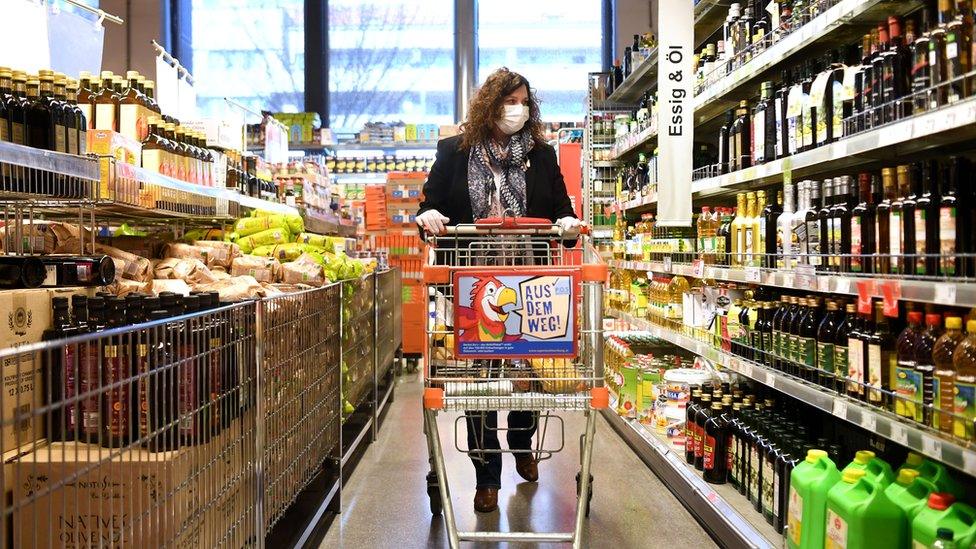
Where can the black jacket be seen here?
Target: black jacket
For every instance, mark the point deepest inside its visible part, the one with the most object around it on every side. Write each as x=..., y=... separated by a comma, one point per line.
x=446, y=189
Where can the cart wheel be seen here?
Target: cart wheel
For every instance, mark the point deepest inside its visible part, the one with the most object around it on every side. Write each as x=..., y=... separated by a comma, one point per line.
x=589, y=498
x=434, y=493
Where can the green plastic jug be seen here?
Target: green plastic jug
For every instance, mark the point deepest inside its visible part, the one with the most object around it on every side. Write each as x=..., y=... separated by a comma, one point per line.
x=941, y=512
x=934, y=472
x=874, y=467
x=910, y=492
x=861, y=516
x=810, y=481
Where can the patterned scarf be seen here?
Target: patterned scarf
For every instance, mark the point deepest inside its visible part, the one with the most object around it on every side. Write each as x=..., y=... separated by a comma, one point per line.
x=511, y=162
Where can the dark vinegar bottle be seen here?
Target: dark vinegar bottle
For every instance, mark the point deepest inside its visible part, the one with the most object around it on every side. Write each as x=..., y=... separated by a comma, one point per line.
x=690, y=410
x=60, y=373
x=826, y=333
x=714, y=464
x=89, y=315
x=701, y=416
x=117, y=372
x=950, y=227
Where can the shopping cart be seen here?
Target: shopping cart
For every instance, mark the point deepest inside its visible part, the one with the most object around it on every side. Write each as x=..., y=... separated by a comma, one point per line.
x=514, y=323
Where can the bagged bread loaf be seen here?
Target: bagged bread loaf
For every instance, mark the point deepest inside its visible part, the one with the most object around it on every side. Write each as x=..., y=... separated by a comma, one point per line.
x=192, y=271
x=304, y=270
x=319, y=241
x=40, y=237
x=187, y=251
x=203, y=234
x=264, y=238
x=263, y=269
x=294, y=222
x=169, y=285
x=122, y=287
x=221, y=253
x=282, y=252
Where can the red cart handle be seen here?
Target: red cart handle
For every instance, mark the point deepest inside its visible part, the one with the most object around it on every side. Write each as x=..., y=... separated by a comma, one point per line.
x=514, y=222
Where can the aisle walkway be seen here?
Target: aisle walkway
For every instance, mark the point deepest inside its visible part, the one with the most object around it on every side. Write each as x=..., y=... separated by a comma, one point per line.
x=384, y=504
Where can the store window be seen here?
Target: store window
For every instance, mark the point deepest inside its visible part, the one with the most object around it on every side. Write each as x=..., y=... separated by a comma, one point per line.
x=252, y=51
x=553, y=43
x=390, y=60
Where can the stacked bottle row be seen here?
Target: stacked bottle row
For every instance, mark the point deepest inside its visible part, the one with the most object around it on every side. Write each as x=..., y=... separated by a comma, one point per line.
x=903, y=67
x=176, y=152
x=162, y=388
x=634, y=55
x=758, y=446
x=923, y=373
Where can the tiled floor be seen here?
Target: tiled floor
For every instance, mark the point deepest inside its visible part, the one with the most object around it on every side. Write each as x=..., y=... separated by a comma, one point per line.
x=384, y=504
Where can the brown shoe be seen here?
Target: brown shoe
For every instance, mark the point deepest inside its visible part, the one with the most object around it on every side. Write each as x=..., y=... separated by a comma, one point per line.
x=527, y=467
x=486, y=500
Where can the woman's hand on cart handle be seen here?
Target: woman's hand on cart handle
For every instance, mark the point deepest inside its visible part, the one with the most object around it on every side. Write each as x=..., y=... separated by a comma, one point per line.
x=432, y=221
x=569, y=227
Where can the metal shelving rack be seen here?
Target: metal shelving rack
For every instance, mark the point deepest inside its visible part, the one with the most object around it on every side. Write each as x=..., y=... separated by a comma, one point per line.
x=599, y=181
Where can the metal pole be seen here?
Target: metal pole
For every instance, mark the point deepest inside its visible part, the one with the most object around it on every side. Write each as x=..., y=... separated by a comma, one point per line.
x=259, y=426
x=465, y=55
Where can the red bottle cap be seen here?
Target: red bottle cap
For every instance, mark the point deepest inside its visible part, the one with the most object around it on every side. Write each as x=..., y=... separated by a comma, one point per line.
x=940, y=501
x=915, y=317
x=933, y=319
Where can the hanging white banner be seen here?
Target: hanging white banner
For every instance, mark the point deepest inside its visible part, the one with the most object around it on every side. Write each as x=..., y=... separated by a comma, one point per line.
x=167, y=86
x=675, y=112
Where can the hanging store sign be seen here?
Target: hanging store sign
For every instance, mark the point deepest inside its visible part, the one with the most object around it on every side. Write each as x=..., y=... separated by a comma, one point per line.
x=675, y=112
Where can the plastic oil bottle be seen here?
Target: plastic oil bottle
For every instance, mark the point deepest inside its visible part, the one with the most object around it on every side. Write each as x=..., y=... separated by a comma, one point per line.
x=738, y=228
x=934, y=472
x=943, y=512
x=945, y=373
x=807, y=509
x=964, y=362
x=910, y=492
x=860, y=515
x=875, y=468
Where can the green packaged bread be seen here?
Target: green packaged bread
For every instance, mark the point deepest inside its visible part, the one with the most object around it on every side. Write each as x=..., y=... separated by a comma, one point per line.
x=318, y=240
x=267, y=237
x=282, y=252
x=294, y=222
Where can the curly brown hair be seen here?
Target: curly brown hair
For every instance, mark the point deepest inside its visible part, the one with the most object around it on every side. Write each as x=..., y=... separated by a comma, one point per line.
x=486, y=108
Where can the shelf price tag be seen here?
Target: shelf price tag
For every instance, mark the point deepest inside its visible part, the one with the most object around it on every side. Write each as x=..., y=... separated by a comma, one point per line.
x=753, y=275
x=667, y=264
x=932, y=447
x=891, y=293
x=869, y=421
x=865, y=290
x=823, y=284
x=840, y=408
x=899, y=433
x=698, y=268
x=945, y=294
x=969, y=462
x=842, y=285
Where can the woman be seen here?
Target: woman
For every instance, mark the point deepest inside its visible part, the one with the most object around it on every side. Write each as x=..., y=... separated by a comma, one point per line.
x=500, y=163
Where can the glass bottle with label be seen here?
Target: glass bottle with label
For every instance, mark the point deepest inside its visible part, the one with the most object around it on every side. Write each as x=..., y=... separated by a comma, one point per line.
x=725, y=143
x=842, y=350
x=796, y=363
x=897, y=66
x=757, y=231
x=737, y=229
x=908, y=388
x=105, y=104
x=702, y=415
x=777, y=331
x=840, y=214
x=80, y=122
x=781, y=103
x=920, y=74
x=882, y=359
x=925, y=369
x=950, y=228
x=43, y=121
x=964, y=361
x=714, y=462
x=883, y=264
x=690, y=410
x=785, y=248
x=748, y=234
x=826, y=333
x=877, y=74
x=88, y=88
x=926, y=217
x=772, y=247
x=825, y=224
x=862, y=227
x=958, y=49
x=855, y=356
x=807, y=339
x=741, y=138
x=907, y=201
x=764, y=126
x=132, y=110
x=764, y=326
x=815, y=247
x=945, y=373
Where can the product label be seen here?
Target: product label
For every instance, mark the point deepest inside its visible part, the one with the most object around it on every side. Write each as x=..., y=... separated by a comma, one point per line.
x=776, y=487
x=73, y=141
x=699, y=442
x=909, y=390
x=837, y=118
x=60, y=138
x=86, y=110
x=759, y=136
x=814, y=247
x=754, y=472
x=920, y=241
x=116, y=370
x=767, y=485
x=835, y=241
x=855, y=370
x=778, y=343
x=807, y=351
x=794, y=515
x=105, y=117
x=17, y=133
x=807, y=123
x=152, y=160
x=836, y=531
x=132, y=122
x=894, y=241
x=856, y=245
x=875, y=371
x=187, y=392
x=952, y=50
x=779, y=127
x=709, y=453
x=730, y=457
x=945, y=400
x=825, y=357
x=947, y=240
x=69, y=387
x=965, y=402
x=88, y=384
x=818, y=93
x=767, y=345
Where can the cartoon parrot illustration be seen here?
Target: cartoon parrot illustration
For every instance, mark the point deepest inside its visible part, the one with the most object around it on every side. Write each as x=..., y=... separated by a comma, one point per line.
x=485, y=319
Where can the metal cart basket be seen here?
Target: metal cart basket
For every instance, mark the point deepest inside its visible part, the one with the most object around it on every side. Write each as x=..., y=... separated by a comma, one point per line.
x=514, y=323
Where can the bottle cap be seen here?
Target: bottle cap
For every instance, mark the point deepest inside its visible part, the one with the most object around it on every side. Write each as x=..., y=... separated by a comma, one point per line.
x=915, y=317
x=107, y=75
x=131, y=75
x=813, y=455
x=971, y=326
x=953, y=323
x=906, y=476
x=59, y=302
x=851, y=476
x=914, y=459
x=940, y=501
x=863, y=456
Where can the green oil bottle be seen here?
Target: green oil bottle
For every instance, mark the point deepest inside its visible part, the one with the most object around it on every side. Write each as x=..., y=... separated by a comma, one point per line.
x=810, y=481
x=861, y=516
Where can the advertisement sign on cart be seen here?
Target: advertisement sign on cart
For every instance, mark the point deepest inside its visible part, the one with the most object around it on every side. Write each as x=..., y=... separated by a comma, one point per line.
x=531, y=314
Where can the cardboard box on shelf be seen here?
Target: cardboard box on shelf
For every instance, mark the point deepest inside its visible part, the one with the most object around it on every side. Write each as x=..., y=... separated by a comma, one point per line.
x=27, y=314
x=72, y=494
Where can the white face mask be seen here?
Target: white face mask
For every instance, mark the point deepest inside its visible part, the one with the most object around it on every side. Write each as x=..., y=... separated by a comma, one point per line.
x=513, y=118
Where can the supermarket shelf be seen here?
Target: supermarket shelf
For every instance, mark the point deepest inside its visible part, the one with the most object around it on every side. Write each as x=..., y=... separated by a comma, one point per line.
x=719, y=508
x=709, y=16
x=49, y=161
x=884, y=424
x=358, y=431
x=927, y=290
x=378, y=177
x=839, y=24
x=640, y=142
x=949, y=124
x=606, y=164
x=639, y=205
x=259, y=204
x=637, y=82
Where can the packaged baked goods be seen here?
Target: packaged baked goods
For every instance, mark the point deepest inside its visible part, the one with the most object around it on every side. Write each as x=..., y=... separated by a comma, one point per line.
x=123, y=287
x=187, y=251
x=263, y=269
x=319, y=241
x=304, y=270
x=203, y=234
x=221, y=253
x=191, y=270
x=282, y=252
x=39, y=237
x=263, y=238
x=234, y=288
x=294, y=222
x=160, y=285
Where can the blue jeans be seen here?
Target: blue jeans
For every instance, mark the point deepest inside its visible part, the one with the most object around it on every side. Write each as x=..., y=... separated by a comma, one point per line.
x=483, y=435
